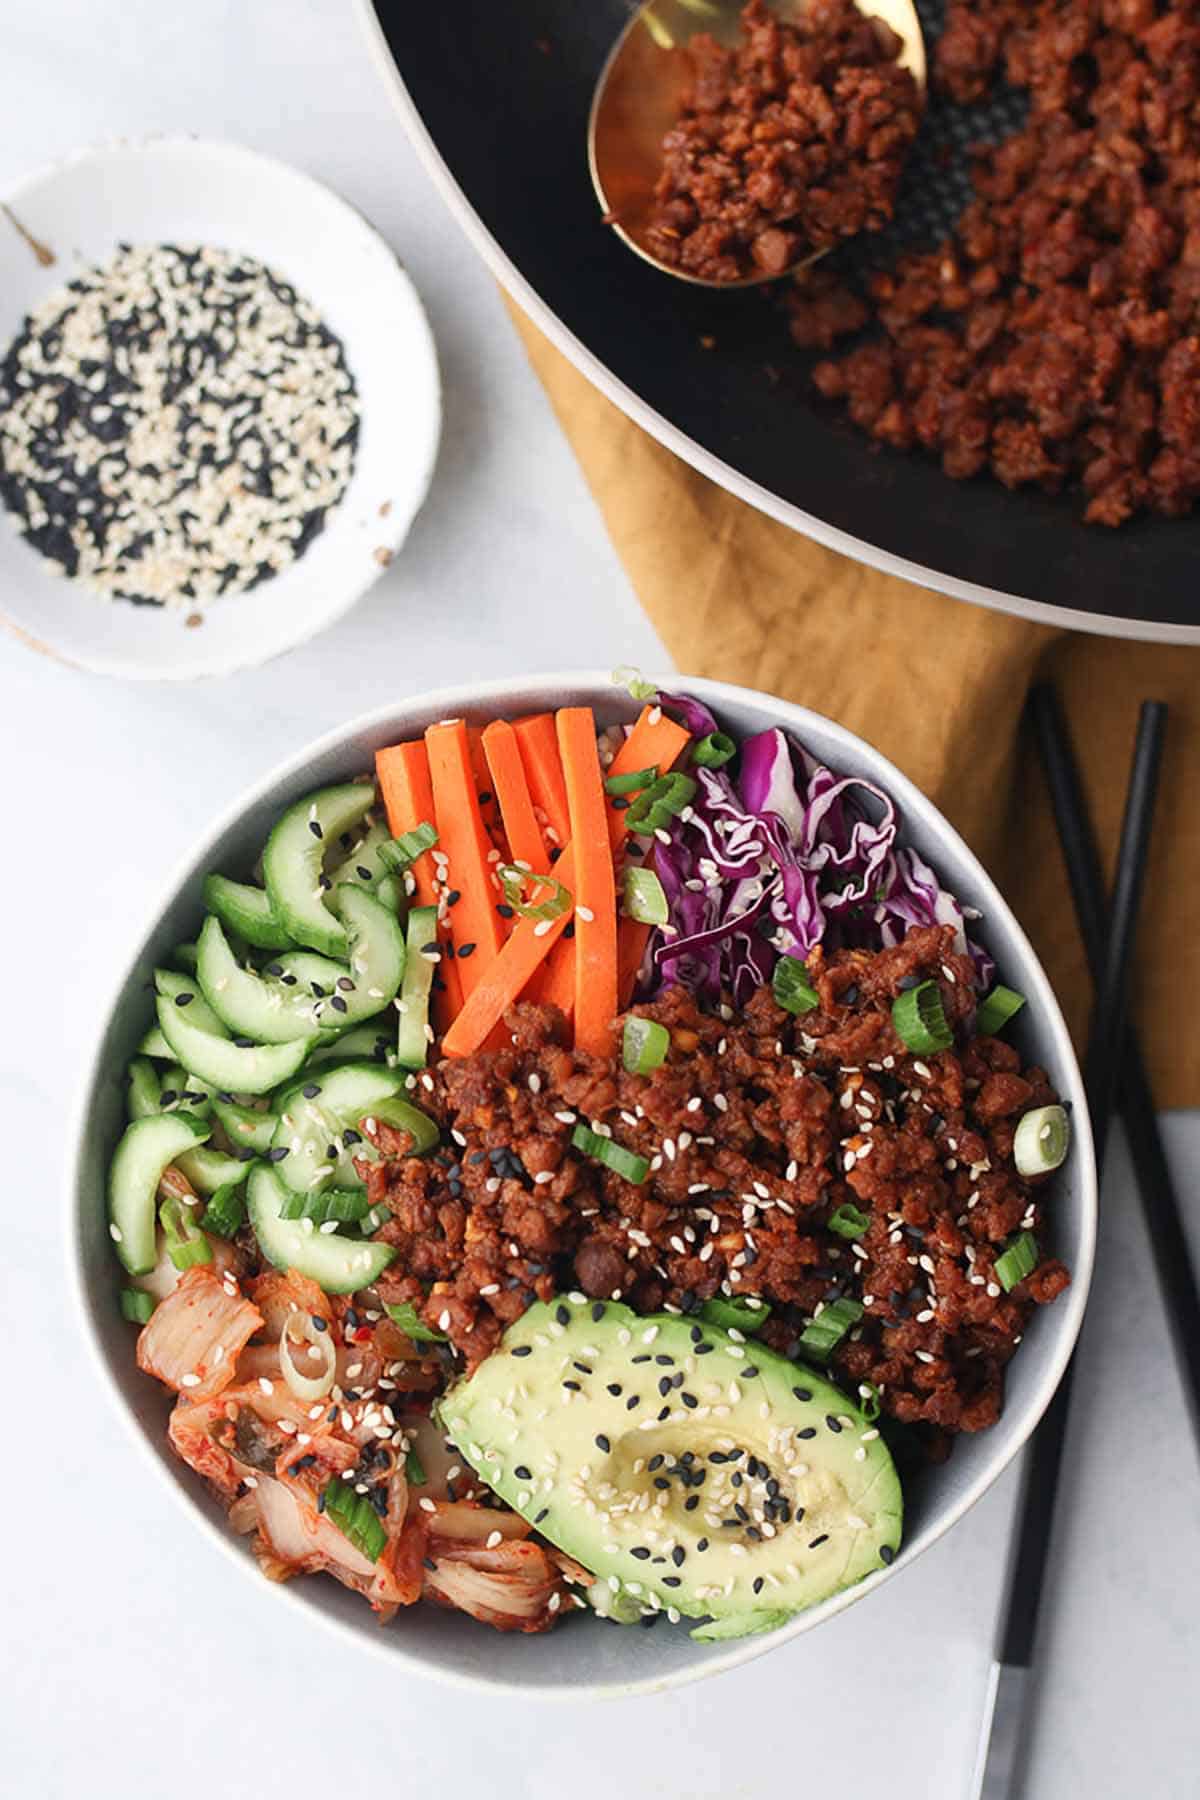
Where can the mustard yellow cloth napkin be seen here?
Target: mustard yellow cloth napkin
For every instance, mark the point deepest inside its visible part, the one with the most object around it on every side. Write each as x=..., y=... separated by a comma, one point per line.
x=935, y=684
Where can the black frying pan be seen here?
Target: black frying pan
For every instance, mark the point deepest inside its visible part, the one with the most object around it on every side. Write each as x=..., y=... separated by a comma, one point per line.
x=496, y=95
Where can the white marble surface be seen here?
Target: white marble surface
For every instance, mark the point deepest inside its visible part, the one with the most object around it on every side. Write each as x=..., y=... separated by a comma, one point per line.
x=128, y=1647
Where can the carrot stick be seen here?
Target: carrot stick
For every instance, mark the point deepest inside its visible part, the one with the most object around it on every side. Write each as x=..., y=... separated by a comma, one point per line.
x=475, y=925
x=403, y=776
x=525, y=841
x=489, y=811
x=632, y=938
x=654, y=743
x=538, y=744
x=509, y=975
x=595, y=887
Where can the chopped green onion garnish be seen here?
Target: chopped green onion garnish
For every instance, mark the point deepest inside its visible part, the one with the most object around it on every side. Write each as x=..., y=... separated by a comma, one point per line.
x=1041, y=1140
x=225, y=1212
x=657, y=805
x=920, y=1020
x=868, y=1401
x=404, y=1314
x=747, y=1315
x=715, y=750
x=645, y=899
x=822, y=1337
x=629, y=784
x=354, y=1517
x=848, y=1222
x=997, y=1009
x=791, y=986
x=186, y=1246
x=554, y=903
x=136, y=1306
x=634, y=683
x=614, y=1156
x=345, y=1206
x=644, y=1045
x=401, y=1116
x=398, y=853
x=1018, y=1259
x=370, y=1222
x=414, y=1470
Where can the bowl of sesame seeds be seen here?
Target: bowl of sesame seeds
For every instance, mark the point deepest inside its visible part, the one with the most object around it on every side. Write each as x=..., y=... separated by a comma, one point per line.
x=219, y=408
x=929, y=1219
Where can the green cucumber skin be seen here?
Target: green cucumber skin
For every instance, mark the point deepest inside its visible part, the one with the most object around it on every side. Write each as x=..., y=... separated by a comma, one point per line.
x=230, y=1068
x=146, y=1149
x=143, y=1091
x=293, y=858
x=338, y=1265
x=247, y=912
x=412, y=1045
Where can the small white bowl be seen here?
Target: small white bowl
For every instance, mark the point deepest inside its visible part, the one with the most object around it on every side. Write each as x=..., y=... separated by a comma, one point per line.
x=181, y=190
x=589, y=1658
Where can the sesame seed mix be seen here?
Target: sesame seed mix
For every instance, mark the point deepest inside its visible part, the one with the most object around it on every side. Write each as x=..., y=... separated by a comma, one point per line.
x=175, y=424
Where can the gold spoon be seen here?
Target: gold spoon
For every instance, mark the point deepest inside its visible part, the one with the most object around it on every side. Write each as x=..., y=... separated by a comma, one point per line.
x=637, y=101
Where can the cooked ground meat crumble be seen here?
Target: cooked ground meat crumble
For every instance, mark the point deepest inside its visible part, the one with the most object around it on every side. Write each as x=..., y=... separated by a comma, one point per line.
x=757, y=1128
x=789, y=142
x=1052, y=341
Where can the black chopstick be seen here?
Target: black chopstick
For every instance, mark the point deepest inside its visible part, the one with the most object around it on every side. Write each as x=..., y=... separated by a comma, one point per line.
x=1001, y=1745
x=1173, y=1260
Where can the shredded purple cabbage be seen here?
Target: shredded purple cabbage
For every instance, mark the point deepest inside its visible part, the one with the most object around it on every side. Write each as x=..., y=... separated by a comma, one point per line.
x=784, y=856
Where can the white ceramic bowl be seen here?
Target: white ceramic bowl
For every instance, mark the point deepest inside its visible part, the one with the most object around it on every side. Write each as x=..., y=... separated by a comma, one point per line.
x=589, y=1657
x=181, y=190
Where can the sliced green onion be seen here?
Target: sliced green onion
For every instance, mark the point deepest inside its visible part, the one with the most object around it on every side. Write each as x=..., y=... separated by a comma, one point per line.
x=848, y=1222
x=1041, y=1140
x=354, y=1517
x=370, y=1222
x=629, y=784
x=414, y=1470
x=634, y=682
x=345, y=1206
x=399, y=853
x=791, y=986
x=186, y=1245
x=614, y=1156
x=920, y=1020
x=645, y=899
x=715, y=750
x=868, y=1401
x=748, y=1315
x=225, y=1212
x=514, y=880
x=997, y=1009
x=136, y=1306
x=822, y=1337
x=401, y=1116
x=657, y=805
x=1018, y=1259
x=404, y=1314
x=644, y=1045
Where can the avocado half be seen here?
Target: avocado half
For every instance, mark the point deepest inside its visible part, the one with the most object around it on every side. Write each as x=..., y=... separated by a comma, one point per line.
x=686, y=1467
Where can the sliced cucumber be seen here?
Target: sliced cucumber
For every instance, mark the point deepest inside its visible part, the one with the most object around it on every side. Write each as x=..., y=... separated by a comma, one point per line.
x=155, y=1044
x=142, y=1096
x=247, y=912
x=377, y=958
x=183, y=956
x=183, y=991
x=181, y=1092
x=364, y=1043
x=147, y=1148
x=256, y=1006
x=363, y=868
x=232, y=1068
x=412, y=1044
x=313, y=1119
x=337, y=1264
x=244, y=1126
x=294, y=859
x=208, y=1169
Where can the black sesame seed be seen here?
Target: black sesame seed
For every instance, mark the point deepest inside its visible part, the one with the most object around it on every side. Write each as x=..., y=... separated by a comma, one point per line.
x=584, y=1368
x=705, y=1349
x=276, y=1155
x=677, y=1556
x=689, y=1400
x=315, y=828
x=562, y=1315
x=184, y=999
x=540, y=1516
x=427, y=1562
x=691, y=1503
x=810, y=1431
x=523, y=1350
x=754, y=1533
x=664, y=1385
x=661, y=1482
x=666, y=1362
x=758, y=1584
x=641, y=1552
x=318, y=1323
x=664, y=1413
x=832, y=1422
x=506, y=912
x=656, y=1462
x=645, y=1358
x=598, y=1311
x=522, y=1473
x=633, y=1402
x=311, y=1090
x=802, y=1393
x=671, y=1581
x=741, y=1512
x=648, y=1618
x=696, y=1335
x=602, y=1443
x=613, y=1388
x=702, y=1543
x=887, y=1554
x=574, y=1386
x=750, y=1370
x=363, y=873
x=466, y=949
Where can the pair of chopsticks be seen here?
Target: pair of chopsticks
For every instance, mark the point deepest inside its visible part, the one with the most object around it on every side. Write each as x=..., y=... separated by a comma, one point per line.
x=1113, y=1072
